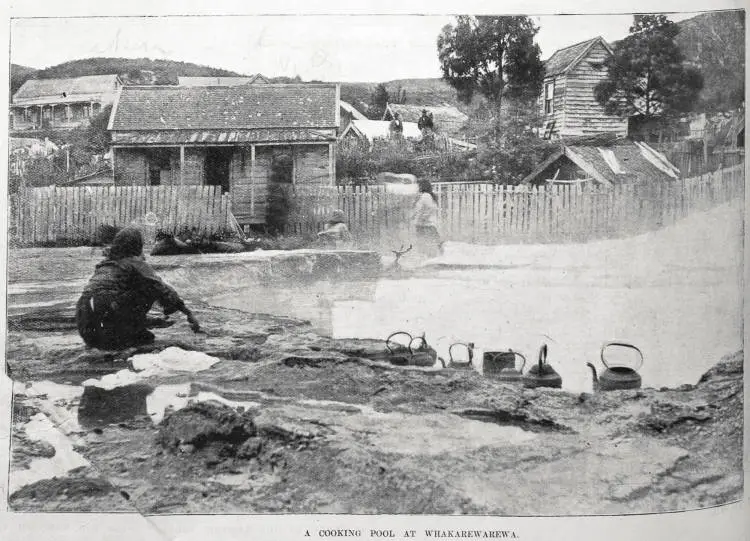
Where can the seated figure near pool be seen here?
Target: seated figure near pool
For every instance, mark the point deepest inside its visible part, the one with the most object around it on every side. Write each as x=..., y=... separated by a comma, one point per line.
x=112, y=311
x=336, y=233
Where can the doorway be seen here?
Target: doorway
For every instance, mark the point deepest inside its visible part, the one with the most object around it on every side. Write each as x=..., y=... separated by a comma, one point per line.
x=216, y=167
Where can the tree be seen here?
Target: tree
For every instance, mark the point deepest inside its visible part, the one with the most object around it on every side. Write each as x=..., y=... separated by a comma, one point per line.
x=646, y=76
x=493, y=56
x=380, y=98
x=509, y=145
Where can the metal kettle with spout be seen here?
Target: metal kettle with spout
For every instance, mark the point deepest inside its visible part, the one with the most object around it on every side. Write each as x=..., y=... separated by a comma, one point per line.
x=617, y=377
x=461, y=365
x=542, y=374
x=417, y=352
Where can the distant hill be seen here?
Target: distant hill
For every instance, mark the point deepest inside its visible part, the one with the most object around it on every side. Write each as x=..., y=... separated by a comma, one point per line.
x=18, y=75
x=418, y=92
x=133, y=70
x=715, y=43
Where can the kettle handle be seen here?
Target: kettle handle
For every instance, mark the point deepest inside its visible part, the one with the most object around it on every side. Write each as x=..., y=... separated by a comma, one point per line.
x=387, y=340
x=469, y=347
x=424, y=343
x=542, y=357
x=625, y=345
x=523, y=358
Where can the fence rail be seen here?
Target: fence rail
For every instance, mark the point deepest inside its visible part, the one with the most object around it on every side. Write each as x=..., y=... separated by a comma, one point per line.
x=485, y=213
x=76, y=214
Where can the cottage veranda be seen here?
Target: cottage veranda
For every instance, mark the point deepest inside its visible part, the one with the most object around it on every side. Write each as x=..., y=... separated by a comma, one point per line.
x=241, y=138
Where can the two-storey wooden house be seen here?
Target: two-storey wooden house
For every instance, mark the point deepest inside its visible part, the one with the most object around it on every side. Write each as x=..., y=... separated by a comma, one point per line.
x=568, y=104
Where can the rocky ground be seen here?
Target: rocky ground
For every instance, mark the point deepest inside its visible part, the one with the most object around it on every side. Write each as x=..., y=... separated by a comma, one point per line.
x=288, y=421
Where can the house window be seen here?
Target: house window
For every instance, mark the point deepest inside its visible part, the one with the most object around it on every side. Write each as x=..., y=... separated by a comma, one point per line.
x=549, y=93
x=159, y=163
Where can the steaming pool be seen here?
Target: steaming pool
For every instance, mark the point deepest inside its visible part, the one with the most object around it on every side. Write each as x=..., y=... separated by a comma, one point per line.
x=676, y=294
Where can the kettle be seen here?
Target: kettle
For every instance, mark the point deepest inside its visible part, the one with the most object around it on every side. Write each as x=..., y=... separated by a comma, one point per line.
x=542, y=374
x=399, y=354
x=494, y=362
x=509, y=373
x=422, y=354
x=617, y=377
x=461, y=365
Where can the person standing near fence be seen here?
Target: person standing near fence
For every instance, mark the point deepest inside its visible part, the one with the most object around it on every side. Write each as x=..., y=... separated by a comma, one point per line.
x=426, y=221
x=336, y=233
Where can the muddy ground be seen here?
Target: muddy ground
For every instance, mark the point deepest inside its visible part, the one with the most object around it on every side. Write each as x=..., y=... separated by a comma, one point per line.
x=287, y=421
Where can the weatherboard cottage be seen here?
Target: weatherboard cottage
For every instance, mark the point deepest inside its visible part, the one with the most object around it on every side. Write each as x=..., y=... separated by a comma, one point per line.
x=61, y=103
x=241, y=138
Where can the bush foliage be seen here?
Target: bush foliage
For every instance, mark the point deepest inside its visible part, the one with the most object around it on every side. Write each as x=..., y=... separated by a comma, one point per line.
x=508, y=149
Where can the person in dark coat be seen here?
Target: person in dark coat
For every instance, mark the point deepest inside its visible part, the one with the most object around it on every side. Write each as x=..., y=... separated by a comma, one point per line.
x=396, y=127
x=426, y=121
x=111, y=313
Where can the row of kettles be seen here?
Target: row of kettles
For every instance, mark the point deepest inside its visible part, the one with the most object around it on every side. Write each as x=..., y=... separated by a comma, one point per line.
x=502, y=365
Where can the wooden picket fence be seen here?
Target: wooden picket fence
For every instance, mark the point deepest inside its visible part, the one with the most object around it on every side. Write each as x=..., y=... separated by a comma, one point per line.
x=488, y=214
x=469, y=212
x=75, y=215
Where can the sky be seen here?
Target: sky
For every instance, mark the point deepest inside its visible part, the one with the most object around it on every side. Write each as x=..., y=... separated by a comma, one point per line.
x=342, y=48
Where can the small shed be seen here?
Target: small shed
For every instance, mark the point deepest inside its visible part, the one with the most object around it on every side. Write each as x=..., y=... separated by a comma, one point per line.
x=222, y=81
x=238, y=137
x=603, y=160
x=568, y=105
x=448, y=119
x=348, y=113
x=364, y=130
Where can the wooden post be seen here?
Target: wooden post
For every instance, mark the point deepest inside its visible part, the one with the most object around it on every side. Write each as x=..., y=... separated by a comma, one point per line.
x=182, y=165
x=114, y=175
x=331, y=164
x=252, y=180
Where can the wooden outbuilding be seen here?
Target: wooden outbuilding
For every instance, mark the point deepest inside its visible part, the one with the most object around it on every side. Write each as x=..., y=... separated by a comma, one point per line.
x=222, y=81
x=241, y=138
x=606, y=160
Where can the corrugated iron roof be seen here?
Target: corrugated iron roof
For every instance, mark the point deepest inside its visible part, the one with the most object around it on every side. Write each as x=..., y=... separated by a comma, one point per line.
x=349, y=108
x=34, y=89
x=253, y=106
x=562, y=59
x=266, y=135
x=374, y=129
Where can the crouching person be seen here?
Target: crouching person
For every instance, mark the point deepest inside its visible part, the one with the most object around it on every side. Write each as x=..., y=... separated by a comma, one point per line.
x=336, y=233
x=111, y=313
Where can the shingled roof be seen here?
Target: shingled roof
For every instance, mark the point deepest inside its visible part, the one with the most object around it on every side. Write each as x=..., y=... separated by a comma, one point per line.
x=246, y=107
x=612, y=161
x=564, y=59
x=62, y=90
